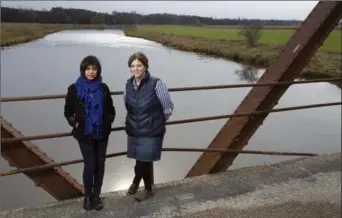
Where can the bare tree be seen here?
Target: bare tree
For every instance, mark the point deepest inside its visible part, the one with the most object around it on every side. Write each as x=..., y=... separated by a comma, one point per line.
x=251, y=34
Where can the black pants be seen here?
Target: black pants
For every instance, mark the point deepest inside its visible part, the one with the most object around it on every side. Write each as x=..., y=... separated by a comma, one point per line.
x=94, y=155
x=143, y=170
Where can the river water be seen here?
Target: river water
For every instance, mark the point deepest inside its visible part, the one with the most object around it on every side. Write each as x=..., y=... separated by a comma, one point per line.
x=51, y=64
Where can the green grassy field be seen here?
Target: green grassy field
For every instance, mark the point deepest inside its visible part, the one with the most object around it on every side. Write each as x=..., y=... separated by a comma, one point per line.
x=276, y=36
x=226, y=43
x=16, y=33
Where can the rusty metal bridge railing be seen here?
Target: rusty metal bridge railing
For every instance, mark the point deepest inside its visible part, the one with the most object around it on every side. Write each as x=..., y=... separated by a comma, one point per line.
x=183, y=149
x=228, y=143
x=66, y=134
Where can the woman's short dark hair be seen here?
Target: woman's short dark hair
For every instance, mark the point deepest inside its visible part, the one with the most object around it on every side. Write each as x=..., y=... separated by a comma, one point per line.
x=90, y=61
x=140, y=57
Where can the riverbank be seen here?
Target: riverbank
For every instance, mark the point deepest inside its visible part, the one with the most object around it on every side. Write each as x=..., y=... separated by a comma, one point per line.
x=17, y=33
x=324, y=64
x=211, y=41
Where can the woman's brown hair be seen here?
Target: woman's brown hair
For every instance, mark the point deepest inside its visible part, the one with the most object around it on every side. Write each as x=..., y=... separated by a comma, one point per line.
x=140, y=57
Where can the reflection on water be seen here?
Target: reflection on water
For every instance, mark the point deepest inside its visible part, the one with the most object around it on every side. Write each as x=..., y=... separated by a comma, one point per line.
x=49, y=65
x=104, y=38
x=248, y=74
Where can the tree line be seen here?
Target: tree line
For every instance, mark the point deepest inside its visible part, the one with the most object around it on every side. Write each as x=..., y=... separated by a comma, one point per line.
x=82, y=16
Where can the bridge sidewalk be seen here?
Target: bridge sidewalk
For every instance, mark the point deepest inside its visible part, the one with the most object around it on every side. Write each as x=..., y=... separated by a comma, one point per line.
x=306, y=187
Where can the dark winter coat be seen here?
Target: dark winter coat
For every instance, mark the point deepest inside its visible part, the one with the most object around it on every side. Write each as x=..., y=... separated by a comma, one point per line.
x=74, y=112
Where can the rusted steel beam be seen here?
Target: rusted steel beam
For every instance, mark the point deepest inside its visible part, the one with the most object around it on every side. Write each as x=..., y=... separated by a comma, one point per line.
x=237, y=131
x=55, y=181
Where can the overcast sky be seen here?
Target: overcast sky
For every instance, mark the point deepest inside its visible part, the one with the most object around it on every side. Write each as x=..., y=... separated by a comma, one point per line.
x=220, y=9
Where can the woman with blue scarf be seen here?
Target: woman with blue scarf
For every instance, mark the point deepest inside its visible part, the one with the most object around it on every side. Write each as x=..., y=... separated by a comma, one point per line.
x=90, y=111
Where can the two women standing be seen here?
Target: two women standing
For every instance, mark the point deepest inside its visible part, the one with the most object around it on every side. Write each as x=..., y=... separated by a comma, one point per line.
x=90, y=111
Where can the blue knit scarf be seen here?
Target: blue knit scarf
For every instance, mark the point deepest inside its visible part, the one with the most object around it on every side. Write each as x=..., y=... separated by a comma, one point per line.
x=90, y=92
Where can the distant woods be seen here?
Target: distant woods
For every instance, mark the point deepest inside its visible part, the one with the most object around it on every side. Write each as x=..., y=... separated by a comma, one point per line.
x=81, y=16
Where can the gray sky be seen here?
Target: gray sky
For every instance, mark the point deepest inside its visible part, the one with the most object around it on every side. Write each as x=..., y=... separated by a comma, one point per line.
x=220, y=9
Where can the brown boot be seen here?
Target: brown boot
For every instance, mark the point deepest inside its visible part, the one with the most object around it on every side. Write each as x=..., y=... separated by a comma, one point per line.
x=143, y=195
x=133, y=189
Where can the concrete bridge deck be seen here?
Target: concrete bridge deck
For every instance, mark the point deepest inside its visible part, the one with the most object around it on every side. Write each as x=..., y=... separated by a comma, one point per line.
x=306, y=187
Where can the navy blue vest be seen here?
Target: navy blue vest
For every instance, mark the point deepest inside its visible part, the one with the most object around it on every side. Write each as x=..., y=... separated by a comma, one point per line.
x=145, y=116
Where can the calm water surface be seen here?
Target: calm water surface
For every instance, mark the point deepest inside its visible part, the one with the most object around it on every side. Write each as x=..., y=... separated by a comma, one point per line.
x=51, y=64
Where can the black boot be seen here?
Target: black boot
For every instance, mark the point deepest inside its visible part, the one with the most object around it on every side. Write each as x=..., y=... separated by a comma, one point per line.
x=88, y=204
x=98, y=203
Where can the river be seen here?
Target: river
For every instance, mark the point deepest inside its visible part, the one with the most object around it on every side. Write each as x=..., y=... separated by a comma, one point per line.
x=49, y=65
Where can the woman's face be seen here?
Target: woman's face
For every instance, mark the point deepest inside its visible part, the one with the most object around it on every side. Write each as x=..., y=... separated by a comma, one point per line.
x=138, y=69
x=90, y=72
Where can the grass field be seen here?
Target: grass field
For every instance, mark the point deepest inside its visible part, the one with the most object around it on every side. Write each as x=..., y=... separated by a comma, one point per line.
x=226, y=43
x=15, y=33
x=276, y=36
